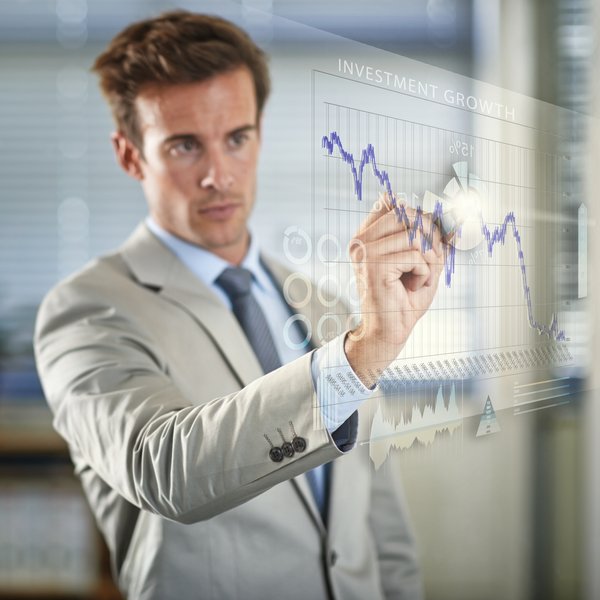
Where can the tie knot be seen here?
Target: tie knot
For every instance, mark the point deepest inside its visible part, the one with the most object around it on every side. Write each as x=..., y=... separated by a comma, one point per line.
x=235, y=281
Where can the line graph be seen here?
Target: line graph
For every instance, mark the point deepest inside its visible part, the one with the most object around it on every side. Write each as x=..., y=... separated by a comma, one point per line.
x=491, y=236
x=499, y=313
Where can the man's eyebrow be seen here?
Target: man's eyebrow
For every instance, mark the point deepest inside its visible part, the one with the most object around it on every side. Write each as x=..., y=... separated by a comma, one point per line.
x=193, y=136
x=242, y=129
x=179, y=136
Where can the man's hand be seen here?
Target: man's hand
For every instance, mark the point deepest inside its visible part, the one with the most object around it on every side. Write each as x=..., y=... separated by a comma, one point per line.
x=396, y=282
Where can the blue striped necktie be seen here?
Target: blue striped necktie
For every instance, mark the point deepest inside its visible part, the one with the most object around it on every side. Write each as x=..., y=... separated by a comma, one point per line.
x=236, y=283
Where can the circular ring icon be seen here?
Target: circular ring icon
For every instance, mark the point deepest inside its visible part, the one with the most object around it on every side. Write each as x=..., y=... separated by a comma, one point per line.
x=293, y=235
x=326, y=237
x=286, y=290
x=361, y=245
x=352, y=290
x=320, y=291
x=286, y=332
x=323, y=320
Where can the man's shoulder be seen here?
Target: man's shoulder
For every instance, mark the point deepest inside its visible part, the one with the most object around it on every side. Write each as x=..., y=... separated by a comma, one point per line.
x=102, y=272
x=106, y=281
x=107, y=273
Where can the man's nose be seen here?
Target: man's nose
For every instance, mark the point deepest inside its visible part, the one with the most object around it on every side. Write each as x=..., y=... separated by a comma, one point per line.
x=218, y=175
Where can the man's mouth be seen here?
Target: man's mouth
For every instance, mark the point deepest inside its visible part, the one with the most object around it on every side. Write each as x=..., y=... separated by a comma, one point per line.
x=219, y=212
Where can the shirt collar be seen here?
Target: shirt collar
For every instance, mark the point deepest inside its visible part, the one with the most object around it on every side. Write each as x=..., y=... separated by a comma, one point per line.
x=206, y=265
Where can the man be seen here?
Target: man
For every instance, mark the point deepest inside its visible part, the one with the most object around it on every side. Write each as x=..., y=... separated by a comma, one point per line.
x=201, y=456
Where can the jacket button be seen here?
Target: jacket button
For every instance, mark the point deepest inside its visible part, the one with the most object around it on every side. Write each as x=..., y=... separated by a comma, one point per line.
x=276, y=454
x=299, y=444
x=288, y=449
x=333, y=557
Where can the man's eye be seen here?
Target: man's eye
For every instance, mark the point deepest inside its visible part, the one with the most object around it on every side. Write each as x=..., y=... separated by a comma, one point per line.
x=184, y=147
x=238, y=139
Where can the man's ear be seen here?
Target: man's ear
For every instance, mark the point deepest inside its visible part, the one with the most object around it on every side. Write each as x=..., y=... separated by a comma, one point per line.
x=128, y=155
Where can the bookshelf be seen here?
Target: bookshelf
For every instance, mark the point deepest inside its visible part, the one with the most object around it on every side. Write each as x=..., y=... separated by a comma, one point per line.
x=49, y=544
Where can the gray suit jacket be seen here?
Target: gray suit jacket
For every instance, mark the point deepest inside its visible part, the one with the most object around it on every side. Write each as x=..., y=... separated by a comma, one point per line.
x=164, y=406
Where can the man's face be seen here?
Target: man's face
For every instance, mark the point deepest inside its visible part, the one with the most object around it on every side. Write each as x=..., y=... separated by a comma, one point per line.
x=200, y=153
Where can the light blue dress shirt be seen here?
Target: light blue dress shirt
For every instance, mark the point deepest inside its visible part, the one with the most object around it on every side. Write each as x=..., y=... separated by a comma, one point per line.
x=329, y=364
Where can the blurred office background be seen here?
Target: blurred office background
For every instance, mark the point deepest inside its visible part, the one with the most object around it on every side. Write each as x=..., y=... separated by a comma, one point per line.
x=515, y=517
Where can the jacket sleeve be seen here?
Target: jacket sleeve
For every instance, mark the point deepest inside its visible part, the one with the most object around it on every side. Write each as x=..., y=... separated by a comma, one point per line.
x=115, y=404
x=394, y=539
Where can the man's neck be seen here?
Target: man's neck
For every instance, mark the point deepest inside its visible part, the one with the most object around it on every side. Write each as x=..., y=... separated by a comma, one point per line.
x=235, y=253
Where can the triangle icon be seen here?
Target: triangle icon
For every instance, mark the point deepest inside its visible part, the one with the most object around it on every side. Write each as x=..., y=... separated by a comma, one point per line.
x=488, y=423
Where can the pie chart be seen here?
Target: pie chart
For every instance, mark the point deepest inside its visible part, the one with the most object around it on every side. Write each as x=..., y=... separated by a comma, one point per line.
x=461, y=204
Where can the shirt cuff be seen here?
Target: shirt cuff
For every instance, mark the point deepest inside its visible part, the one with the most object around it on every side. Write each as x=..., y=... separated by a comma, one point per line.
x=339, y=390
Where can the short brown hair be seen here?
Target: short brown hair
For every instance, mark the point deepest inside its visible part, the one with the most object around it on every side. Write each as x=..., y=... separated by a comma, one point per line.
x=175, y=47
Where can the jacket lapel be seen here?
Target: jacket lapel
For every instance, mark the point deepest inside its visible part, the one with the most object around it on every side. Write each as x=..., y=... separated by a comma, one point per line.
x=155, y=266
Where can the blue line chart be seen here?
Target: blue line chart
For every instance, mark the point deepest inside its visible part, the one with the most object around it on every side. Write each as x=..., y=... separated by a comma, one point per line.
x=492, y=236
